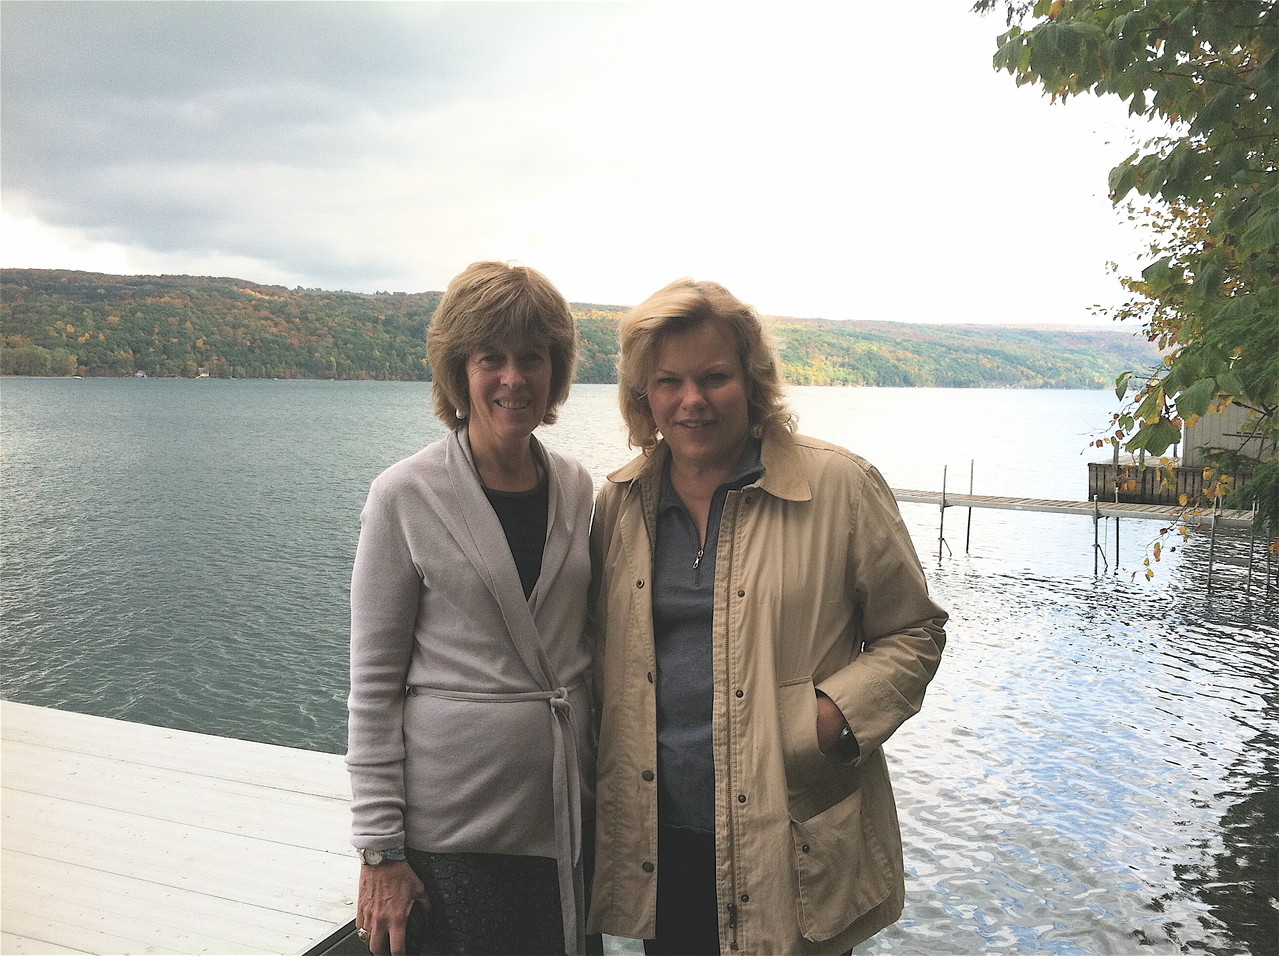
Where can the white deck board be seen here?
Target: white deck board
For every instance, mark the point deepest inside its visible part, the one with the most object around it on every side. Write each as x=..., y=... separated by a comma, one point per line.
x=123, y=838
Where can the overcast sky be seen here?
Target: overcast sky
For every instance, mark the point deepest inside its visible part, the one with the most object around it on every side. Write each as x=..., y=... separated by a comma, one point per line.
x=849, y=160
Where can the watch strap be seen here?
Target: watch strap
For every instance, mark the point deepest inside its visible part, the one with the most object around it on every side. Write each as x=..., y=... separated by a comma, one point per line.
x=393, y=854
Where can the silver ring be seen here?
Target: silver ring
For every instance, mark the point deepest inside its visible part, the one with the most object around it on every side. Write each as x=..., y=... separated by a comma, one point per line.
x=363, y=934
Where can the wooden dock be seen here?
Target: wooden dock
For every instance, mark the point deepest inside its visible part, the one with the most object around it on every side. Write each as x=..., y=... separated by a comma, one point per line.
x=123, y=838
x=1104, y=509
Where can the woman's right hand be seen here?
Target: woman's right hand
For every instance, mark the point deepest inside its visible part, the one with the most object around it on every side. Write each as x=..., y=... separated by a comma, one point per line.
x=387, y=893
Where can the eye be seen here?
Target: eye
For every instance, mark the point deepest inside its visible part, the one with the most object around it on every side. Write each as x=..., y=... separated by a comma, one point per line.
x=489, y=361
x=716, y=378
x=666, y=382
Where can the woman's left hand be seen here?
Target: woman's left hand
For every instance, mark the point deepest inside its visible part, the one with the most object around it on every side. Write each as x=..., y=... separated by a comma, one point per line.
x=830, y=723
x=387, y=894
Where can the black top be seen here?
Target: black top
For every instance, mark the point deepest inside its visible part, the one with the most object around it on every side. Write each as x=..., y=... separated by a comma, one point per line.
x=523, y=515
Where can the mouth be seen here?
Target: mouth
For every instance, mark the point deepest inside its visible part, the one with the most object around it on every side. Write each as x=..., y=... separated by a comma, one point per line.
x=513, y=404
x=695, y=423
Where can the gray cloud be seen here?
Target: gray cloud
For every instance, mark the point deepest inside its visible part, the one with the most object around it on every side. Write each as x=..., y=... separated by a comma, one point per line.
x=172, y=123
x=793, y=148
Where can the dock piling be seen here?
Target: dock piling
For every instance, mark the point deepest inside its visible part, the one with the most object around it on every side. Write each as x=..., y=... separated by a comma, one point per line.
x=1116, y=528
x=968, y=534
x=1252, y=547
x=1098, y=551
x=941, y=524
x=1212, y=541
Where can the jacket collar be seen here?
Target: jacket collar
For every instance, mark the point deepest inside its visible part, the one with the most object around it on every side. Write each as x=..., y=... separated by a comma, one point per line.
x=784, y=475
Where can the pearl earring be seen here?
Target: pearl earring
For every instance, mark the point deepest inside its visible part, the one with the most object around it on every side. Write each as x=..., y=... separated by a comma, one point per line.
x=459, y=413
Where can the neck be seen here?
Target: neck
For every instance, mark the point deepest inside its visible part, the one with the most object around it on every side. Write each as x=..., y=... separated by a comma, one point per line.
x=698, y=481
x=506, y=466
x=695, y=480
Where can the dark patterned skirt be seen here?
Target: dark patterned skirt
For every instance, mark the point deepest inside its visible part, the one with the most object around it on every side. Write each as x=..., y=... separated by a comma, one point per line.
x=488, y=903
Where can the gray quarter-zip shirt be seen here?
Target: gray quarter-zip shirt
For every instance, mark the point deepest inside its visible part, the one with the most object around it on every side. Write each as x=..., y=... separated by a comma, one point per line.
x=683, y=606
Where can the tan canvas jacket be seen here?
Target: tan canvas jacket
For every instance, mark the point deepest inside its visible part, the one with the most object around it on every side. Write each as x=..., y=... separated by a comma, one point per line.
x=817, y=587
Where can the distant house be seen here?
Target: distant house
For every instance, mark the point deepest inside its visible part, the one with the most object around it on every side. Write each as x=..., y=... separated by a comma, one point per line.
x=1230, y=429
x=1141, y=479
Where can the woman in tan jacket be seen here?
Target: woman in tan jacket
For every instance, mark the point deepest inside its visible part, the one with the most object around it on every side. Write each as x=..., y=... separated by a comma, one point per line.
x=764, y=627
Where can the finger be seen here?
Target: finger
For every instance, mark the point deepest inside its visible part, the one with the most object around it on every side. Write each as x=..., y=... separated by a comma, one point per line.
x=379, y=939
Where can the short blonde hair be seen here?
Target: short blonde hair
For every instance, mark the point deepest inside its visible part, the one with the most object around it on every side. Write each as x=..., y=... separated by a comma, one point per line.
x=686, y=304
x=502, y=304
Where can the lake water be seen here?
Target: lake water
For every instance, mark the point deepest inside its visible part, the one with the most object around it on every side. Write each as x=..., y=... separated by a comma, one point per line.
x=1096, y=768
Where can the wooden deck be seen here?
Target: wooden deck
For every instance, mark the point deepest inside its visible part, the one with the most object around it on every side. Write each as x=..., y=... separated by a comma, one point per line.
x=124, y=838
x=1106, y=509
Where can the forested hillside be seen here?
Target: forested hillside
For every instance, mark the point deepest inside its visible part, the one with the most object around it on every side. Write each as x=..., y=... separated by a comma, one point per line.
x=57, y=322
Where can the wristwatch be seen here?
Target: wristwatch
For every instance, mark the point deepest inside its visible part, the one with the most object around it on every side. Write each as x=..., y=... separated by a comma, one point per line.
x=378, y=857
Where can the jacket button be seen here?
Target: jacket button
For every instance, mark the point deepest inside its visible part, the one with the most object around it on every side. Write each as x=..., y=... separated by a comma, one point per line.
x=741, y=594
x=647, y=867
x=739, y=694
x=650, y=677
x=639, y=583
x=746, y=897
x=741, y=798
x=804, y=848
x=647, y=775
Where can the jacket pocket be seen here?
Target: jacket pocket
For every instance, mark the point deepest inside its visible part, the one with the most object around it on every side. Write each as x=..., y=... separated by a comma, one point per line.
x=842, y=868
x=814, y=782
x=804, y=760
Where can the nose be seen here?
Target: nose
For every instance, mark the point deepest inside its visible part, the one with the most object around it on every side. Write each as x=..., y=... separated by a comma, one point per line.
x=512, y=375
x=691, y=395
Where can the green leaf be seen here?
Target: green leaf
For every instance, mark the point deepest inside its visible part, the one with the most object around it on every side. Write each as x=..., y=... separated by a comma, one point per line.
x=1262, y=231
x=1216, y=110
x=1156, y=437
x=1121, y=385
x=1121, y=182
x=1230, y=383
x=1195, y=399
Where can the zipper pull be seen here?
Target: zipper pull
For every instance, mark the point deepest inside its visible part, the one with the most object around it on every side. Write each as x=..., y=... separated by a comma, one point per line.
x=698, y=560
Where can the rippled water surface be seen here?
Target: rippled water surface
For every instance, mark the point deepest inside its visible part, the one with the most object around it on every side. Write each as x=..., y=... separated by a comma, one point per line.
x=1095, y=769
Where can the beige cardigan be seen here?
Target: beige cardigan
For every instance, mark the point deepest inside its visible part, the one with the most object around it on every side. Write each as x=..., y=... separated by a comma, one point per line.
x=490, y=752
x=817, y=587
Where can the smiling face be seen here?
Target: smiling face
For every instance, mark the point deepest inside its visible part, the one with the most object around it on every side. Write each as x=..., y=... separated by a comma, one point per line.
x=508, y=388
x=698, y=397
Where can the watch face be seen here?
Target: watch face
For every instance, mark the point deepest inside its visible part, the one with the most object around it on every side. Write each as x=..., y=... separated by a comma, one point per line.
x=371, y=857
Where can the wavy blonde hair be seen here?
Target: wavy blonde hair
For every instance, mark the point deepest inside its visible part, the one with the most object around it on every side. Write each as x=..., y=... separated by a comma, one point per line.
x=503, y=304
x=685, y=304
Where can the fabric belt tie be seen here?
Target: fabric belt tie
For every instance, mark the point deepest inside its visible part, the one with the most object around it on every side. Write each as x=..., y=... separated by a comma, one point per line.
x=566, y=791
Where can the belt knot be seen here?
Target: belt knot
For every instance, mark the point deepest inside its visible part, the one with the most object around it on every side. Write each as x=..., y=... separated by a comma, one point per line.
x=559, y=700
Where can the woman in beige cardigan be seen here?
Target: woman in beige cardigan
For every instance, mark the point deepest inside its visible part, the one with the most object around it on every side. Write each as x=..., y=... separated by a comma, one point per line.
x=470, y=720
x=765, y=627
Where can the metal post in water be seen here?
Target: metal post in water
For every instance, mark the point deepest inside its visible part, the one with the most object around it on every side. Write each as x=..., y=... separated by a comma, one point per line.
x=1096, y=543
x=1252, y=545
x=941, y=524
x=1212, y=540
x=968, y=536
x=1098, y=550
x=1116, y=524
x=1270, y=576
